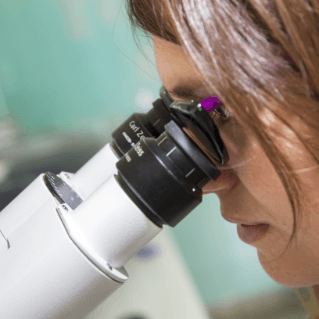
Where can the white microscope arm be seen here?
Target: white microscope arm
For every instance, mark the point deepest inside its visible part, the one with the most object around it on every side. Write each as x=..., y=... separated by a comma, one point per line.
x=65, y=239
x=62, y=262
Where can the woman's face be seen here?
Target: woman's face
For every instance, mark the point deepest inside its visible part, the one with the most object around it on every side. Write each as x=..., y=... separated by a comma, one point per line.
x=249, y=188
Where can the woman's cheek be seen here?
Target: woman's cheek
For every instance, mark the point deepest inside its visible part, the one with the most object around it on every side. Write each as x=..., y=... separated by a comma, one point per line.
x=240, y=147
x=258, y=176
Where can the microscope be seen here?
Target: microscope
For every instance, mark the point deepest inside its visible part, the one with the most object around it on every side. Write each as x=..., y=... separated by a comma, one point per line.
x=64, y=241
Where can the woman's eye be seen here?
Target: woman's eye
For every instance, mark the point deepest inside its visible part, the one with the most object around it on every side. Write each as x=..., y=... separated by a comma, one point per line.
x=221, y=111
x=220, y=115
x=216, y=109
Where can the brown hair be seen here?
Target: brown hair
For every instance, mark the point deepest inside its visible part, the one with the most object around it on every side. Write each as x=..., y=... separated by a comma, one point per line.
x=242, y=49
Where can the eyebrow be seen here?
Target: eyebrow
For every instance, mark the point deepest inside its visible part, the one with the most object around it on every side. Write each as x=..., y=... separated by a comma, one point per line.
x=187, y=91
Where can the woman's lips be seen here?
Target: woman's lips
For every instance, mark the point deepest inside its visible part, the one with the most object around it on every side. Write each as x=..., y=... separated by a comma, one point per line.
x=242, y=222
x=249, y=231
x=249, y=234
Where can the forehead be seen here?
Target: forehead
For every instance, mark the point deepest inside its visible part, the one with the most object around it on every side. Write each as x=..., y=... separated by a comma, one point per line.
x=174, y=66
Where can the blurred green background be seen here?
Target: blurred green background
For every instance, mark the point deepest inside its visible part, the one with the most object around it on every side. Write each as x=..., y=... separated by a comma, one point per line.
x=73, y=67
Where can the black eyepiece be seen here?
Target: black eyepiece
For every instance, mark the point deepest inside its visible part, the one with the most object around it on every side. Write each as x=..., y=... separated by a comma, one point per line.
x=164, y=176
x=141, y=125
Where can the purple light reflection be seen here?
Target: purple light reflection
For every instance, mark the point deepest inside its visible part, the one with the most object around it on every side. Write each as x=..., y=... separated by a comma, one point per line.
x=211, y=103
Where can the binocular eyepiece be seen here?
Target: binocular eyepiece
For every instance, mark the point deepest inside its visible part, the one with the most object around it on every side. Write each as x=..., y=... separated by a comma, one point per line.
x=86, y=226
x=161, y=167
x=158, y=165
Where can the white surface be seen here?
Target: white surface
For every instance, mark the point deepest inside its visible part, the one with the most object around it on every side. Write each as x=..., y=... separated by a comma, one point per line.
x=23, y=206
x=111, y=225
x=44, y=275
x=159, y=286
x=3, y=243
x=95, y=172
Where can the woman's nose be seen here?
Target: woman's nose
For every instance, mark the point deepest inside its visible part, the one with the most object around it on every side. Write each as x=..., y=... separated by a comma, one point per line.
x=226, y=180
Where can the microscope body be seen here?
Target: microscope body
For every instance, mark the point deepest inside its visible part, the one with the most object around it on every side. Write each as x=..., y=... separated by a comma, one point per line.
x=65, y=239
x=51, y=264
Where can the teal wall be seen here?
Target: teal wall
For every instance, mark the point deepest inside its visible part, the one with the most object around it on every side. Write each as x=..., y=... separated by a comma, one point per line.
x=66, y=64
x=62, y=62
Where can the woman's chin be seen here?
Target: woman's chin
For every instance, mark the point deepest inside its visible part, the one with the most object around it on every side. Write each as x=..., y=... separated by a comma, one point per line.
x=292, y=278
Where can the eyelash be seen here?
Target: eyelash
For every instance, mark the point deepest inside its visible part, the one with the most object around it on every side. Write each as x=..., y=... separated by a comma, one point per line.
x=220, y=119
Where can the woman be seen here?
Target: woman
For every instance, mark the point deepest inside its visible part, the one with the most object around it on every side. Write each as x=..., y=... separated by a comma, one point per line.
x=261, y=58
